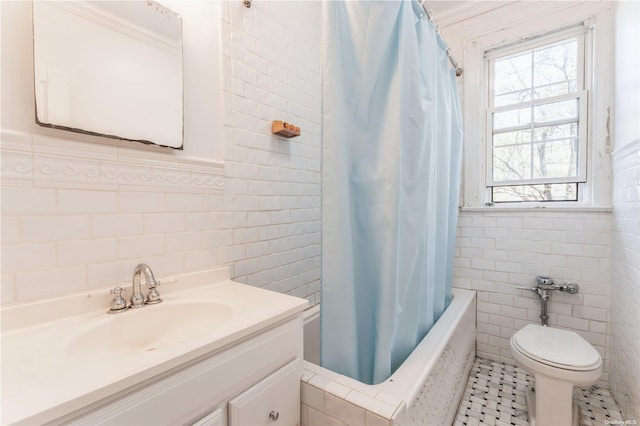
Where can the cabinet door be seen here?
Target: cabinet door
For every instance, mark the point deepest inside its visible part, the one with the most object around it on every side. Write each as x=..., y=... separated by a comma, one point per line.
x=273, y=401
x=211, y=419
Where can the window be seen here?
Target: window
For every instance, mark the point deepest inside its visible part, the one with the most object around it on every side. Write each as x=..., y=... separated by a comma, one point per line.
x=537, y=120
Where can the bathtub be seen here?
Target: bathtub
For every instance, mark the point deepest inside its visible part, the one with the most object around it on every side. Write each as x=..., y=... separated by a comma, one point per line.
x=424, y=391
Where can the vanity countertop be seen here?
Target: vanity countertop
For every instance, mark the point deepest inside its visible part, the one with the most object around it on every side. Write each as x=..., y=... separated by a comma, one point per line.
x=75, y=354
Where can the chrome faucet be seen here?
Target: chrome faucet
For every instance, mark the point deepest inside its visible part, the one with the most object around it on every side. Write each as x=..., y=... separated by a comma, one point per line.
x=138, y=299
x=543, y=287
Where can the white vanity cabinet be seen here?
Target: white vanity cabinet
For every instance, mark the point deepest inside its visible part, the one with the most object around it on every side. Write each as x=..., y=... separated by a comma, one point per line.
x=253, y=382
x=274, y=400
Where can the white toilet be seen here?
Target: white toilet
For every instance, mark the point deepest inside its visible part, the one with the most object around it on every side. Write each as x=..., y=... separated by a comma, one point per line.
x=559, y=360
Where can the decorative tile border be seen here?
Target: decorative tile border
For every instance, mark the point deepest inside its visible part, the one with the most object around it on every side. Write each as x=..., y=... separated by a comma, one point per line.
x=626, y=157
x=44, y=161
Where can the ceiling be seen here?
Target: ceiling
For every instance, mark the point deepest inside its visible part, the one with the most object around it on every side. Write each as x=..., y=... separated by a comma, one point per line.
x=440, y=5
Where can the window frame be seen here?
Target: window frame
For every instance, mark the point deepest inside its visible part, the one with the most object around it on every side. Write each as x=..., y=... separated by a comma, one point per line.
x=581, y=94
x=596, y=20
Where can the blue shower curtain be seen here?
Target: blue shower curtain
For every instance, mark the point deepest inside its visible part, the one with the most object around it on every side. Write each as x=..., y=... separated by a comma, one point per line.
x=392, y=143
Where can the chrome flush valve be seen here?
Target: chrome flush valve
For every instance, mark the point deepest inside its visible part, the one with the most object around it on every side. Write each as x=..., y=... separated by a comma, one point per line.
x=543, y=288
x=570, y=287
x=544, y=283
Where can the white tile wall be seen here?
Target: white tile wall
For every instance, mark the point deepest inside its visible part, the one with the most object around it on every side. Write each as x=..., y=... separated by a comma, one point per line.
x=87, y=224
x=273, y=66
x=497, y=251
x=625, y=298
x=625, y=312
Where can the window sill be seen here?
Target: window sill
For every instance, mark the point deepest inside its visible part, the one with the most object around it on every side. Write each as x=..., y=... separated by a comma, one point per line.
x=530, y=208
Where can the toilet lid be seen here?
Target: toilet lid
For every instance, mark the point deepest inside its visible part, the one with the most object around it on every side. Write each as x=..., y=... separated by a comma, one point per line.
x=556, y=347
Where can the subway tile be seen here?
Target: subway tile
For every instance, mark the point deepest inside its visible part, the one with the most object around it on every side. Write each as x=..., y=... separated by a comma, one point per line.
x=218, y=203
x=577, y=324
x=371, y=404
x=116, y=225
x=81, y=252
x=7, y=292
x=375, y=420
x=111, y=273
x=21, y=200
x=344, y=411
x=40, y=284
x=183, y=241
x=245, y=235
x=175, y=202
x=231, y=254
x=164, y=223
x=87, y=201
x=140, y=246
x=201, y=259
x=217, y=238
x=10, y=230
x=590, y=313
x=312, y=396
x=169, y=263
x=140, y=202
x=28, y=257
x=513, y=312
x=317, y=418
x=246, y=267
x=259, y=279
x=52, y=228
x=202, y=221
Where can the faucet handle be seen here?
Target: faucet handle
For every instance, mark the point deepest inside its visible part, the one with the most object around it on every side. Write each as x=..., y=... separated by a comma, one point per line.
x=118, y=304
x=534, y=289
x=153, y=296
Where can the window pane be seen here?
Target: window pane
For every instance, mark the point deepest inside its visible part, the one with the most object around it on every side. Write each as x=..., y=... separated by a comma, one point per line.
x=563, y=110
x=555, y=89
x=513, y=74
x=512, y=138
x=512, y=163
x=512, y=98
x=555, y=159
x=553, y=65
x=547, y=192
x=513, y=118
x=559, y=131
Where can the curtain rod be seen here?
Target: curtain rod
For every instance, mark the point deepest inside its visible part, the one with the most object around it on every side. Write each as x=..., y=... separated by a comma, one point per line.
x=453, y=61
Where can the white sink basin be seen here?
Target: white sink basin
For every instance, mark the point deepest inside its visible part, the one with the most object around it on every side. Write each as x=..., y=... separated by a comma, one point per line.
x=148, y=328
x=63, y=354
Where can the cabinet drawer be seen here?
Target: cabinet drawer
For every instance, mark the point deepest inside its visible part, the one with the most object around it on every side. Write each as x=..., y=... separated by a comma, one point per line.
x=213, y=419
x=272, y=401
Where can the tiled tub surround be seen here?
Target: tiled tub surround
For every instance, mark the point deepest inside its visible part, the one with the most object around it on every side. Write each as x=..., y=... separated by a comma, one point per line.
x=625, y=298
x=498, y=251
x=420, y=392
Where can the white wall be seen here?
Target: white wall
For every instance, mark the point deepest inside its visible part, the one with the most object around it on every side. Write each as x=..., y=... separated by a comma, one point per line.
x=627, y=73
x=499, y=250
x=625, y=297
x=81, y=211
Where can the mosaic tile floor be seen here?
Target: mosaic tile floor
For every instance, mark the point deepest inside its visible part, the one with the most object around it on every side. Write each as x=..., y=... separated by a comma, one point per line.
x=495, y=396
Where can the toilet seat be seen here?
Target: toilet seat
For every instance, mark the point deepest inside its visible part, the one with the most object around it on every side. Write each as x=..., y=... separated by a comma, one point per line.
x=556, y=348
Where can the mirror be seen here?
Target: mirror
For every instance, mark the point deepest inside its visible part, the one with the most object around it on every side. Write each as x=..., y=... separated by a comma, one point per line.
x=109, y=68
